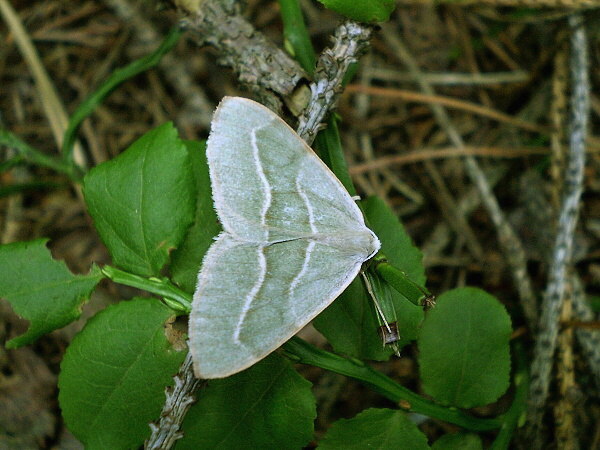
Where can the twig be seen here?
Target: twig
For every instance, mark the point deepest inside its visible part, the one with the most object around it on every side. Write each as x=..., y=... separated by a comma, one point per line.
x=510, y=244
x=452, y=78
x=179, y=399
x=264, y=68
x=351, y=40
x=449, y=102
x=563, y=246
x=422, y=154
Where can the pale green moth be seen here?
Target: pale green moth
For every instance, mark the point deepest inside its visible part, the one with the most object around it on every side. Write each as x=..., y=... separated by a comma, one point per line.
x=293, y=240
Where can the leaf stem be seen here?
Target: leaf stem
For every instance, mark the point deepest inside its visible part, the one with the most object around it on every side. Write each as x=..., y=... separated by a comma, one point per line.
x=88, y=106
x=402, y=284
x=173, y=296
x=518, y=409
x=306, y=353
x=34, y=156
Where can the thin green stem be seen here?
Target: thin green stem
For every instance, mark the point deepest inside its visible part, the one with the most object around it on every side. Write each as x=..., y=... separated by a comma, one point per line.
x=14, y=161
x=306, y=353
x=518, y=410
x=12, y=189
x=331, y=152
x=173, y=296
x=89, y=105
x=400, y=282
x=34, y=156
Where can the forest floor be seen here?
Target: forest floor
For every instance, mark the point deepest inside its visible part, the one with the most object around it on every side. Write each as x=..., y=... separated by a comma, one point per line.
x=501, y=73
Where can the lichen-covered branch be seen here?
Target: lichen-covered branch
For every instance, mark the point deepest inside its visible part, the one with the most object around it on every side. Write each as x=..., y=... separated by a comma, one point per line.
x=262, y=67
x=179, y=399
x=563, y=246
x=351, y=40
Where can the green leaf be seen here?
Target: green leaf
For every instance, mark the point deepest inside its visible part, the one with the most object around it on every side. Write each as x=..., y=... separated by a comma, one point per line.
x=266, y=406
x=362, y=10
x=373, y=429
x=296, y=36
x=330, y=150
x=114, y=374
x=464, y=349
x=187, y=259
x=458, y=441
x=142, y=201
x=349, y=323
x=395, y=243
x=41, y=289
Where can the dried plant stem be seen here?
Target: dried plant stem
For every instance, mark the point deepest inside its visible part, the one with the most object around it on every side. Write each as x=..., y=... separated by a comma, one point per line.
x=426, y=153
x=579, y=308
x=541, y=219
x=564, y=411
x=558, y=116
x=49, y=98
x=509, y=242
x=463, y=105
x=451, y=78
x=588, y=339
x=563, y=246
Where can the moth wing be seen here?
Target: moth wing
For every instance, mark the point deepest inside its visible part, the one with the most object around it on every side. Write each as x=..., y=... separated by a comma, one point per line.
x=251, y=298
x=267, y=182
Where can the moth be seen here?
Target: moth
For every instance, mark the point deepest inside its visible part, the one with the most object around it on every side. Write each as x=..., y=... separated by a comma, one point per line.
x=293, y=239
